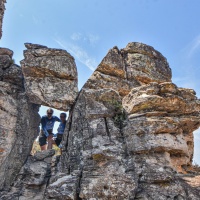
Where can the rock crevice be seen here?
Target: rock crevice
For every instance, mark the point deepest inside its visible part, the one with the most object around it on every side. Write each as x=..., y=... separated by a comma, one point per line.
x=129, y=133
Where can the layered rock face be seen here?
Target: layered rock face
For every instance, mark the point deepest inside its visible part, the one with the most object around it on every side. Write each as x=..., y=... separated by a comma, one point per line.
x=162, y=118
x=128, y=136
x=19, y=120
x=129, y=132
x=130, y=67
x=50, y=76
x=2, y=9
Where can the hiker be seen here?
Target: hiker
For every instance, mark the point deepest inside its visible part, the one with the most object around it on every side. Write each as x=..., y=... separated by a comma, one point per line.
x=58, y=137
x=46, y=133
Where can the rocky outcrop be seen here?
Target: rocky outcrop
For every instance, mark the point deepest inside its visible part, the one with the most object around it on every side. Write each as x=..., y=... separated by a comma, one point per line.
x=129, y=135
x=19, y=120
x=31, y=182
x=129, y=132
x=2, y=9
x=135, y=65
x=162, y=118
x=50, y=76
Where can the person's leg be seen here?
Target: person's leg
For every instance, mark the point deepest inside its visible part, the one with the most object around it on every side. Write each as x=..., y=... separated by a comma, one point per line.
x=43, y=142
x=44, y=147
x=58, y=142
x=50, y=141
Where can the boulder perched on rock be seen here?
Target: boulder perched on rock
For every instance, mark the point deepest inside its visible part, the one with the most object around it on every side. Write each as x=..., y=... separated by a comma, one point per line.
x=50, y=76
x=145, y=64
x=135, y=65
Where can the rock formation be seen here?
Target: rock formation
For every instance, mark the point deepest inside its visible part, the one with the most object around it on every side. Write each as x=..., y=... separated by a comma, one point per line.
x=50, y=76
x=2, y=9
x=19, y=120
x=129, y=133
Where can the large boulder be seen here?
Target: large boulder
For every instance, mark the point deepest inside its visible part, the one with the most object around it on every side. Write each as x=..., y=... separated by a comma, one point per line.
x=124, y=69
x=50, y=76
x=130, y=131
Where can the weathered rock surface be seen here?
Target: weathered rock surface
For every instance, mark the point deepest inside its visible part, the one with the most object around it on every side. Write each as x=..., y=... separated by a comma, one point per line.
x=125, y=143
x=50, y=76
x=129, y=136
x=31, y=181
x=162, y=119
x=2, y=9
x=135, y=65
x=19, y=121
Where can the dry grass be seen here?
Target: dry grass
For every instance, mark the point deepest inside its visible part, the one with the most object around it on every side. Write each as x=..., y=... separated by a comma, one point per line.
x=36, y=148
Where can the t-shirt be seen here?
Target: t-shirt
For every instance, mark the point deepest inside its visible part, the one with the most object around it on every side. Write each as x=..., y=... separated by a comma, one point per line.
x=48, y=124
x=61, y=128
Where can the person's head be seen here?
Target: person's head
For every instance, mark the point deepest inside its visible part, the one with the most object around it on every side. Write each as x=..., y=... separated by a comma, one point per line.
x=63, y=117
x=50, y=113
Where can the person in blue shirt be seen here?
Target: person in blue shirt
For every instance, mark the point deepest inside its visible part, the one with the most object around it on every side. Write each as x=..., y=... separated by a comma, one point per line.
x=61, y=129
x=46, y=134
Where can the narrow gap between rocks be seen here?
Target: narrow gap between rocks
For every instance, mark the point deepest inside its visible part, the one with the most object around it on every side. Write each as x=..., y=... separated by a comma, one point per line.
x=42, y=112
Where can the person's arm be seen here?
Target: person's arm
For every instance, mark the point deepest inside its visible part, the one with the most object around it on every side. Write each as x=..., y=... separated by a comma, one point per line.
x=43, y=123
x=57, y=119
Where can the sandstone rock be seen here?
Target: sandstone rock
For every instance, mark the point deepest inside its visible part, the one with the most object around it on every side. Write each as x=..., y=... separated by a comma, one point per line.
x=113, y=64
x=130, y=67
x=50, y=76
x=19, y=122
x=14, y=75
x=173, y=127
x=19, y=127
x=128, y=135
x=155, y=97
x=63, y=188
x=145, y=64
x=5, y=61
x=6, y=51
x=34, y=46
x=31, y=182
x=133, y=147
x=41, y=155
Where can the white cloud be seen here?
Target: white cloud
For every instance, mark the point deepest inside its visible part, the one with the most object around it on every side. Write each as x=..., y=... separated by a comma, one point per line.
x=91, y=38
x=81, y=55
x=192, y=47
x=76, y=36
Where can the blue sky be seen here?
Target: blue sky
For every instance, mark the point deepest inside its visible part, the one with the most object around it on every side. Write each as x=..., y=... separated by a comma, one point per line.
x=89, y=28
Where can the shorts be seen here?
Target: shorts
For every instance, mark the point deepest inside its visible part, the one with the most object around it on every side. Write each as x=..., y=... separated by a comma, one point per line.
x=43, y=137
x=58, y=139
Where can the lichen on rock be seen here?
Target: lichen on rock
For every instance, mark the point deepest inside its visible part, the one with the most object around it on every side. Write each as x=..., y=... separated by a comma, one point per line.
x=129, y=134
x=50, y=76
x=19, y=120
